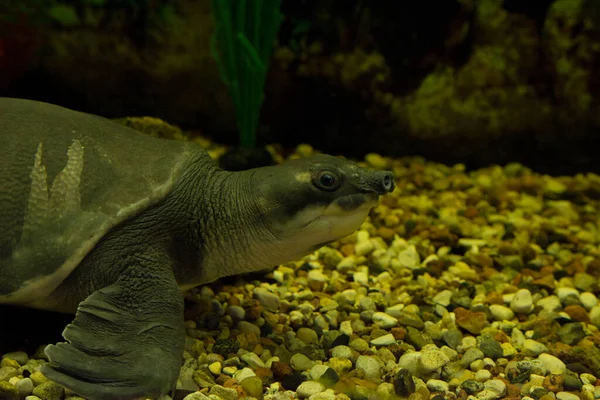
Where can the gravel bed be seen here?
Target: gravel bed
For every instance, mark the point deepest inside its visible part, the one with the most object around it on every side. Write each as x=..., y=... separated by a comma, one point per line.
x=460, y=285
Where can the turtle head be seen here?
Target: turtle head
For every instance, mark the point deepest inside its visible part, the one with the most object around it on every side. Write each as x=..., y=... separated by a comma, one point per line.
x=312, y=201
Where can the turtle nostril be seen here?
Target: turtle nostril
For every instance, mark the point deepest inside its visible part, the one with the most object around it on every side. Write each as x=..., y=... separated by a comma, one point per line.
x=388, y=182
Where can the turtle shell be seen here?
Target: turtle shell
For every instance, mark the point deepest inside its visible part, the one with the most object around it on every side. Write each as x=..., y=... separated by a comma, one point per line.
x=66, y=178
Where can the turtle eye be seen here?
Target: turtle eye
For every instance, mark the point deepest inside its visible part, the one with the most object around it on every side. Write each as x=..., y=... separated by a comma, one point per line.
x=327, y=180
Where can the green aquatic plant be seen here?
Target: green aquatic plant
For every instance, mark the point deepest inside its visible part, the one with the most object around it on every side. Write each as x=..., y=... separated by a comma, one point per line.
x=242, y=44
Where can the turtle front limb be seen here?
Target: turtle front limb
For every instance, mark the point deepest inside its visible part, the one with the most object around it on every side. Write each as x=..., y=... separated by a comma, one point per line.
x=126, y=340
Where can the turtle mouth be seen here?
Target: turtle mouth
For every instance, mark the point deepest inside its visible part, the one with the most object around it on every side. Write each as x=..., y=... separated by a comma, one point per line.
x=351, y=202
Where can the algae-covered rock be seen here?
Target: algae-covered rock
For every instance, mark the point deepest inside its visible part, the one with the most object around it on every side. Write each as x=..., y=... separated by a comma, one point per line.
x=8, y=391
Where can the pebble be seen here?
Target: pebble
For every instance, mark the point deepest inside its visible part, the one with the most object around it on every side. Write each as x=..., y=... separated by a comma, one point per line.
x=236, y=312
x=533, y=348
x=215, y=368
x=342, y=351
x=370, y=366
x=24, y=386
x=253, y=360
x=553, y=365
x=19, y=356
x=223, y=392
x=564, y=293
x=522, y=302
x=49, y=391
x=588, y=300
x=253, y=386
x=436, y=385
x=501, y=313
x=483, y=375
x=269, y=300
x=300, y=362
x=432, y=360
x=307, y=335
x=495, y=386
x=384, y=320
x=566, y=396
x=243, y=373
x=309, y=388
x=384, y=340
x=248, y=327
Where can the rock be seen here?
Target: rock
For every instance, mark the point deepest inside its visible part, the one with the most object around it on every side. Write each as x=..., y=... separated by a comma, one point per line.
x=8, y=391
x=432, y=360
x=215, y=368
x=495, y=386
x=588, y=300
x=522, y=302
x=595, y=316
x=566, y=396
x=343, y=352
x=7, y=372
x=224, y=393
x=471, y=386
x=329, y=378
x=300, y=362
x=49, y=391
x=307, y=335
x=501, y=313
x=248, y=327
x=436, y=385
x=24, y=386
x=269, y=300
x=309, y=388
x=533, y=348
x=471, y=355
x=473, y=322
x=552, y=364
x=385, y=340
x=252, y=386
x=237, y=313
x=384, y=320
x=404, y=384
x=490, y=347
x=571, y=333
x=253, y=360
x=19, y=356
x=370, y=366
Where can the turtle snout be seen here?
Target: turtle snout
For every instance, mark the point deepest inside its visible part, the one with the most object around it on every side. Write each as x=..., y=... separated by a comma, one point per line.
x=381, y=182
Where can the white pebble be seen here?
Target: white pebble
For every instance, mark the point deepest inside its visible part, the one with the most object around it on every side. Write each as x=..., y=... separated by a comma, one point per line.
x=588, y=300
x=317, y=371
x=363, y=248
x=550, y=303
x=588, y=378
x=308, y=388
x=343, y=352
x=483, y=375
x=432, y=360
x=409, y=257
x=533, y=348
x=566, y=396
x=501, y=313
x=371, y=366
x=409, y=361
x=444, y=297
x=243, y=374
x=384, y=320
x=346, y=328
x=361, y=278
x=496, y=386
x=522, y=302
x=552, y=364
x=564, y=292
x=437, y=385
x=385, y=340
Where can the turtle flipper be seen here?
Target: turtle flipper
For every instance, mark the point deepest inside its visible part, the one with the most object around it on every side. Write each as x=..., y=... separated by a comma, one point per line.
x=122, y=344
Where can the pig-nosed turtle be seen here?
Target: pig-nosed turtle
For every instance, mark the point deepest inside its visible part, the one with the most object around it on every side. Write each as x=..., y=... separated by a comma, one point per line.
x=105, y=222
